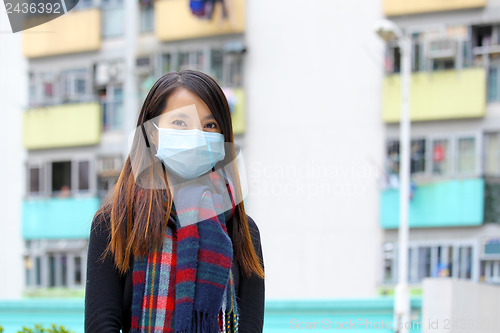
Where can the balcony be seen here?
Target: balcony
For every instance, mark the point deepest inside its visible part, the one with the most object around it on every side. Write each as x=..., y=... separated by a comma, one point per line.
x=452, y=203
x=56, y=218
x=77, y=31
x=174, y=21
x=64, y=125
x=405, y=7
x=446, y=94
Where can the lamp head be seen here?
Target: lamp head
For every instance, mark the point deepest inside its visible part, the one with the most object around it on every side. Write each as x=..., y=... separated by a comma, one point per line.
x=388, y=30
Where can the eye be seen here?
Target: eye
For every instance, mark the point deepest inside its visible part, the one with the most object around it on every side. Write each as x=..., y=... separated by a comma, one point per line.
x=179, y=122
x=211, y=125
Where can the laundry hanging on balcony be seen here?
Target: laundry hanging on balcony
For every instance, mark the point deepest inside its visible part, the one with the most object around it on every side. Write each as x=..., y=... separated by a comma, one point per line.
x=204, y=8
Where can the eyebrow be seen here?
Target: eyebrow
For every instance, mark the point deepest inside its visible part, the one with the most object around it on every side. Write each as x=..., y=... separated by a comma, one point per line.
x=185, y=116
x=179, y=114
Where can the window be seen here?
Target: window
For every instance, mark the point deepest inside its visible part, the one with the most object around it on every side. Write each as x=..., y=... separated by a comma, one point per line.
x=147, y=16
x=42, y=88
x=166, y=63
x=417, y=156
x=55, y=263
x=443, y=64
x=61, y=178
x=35, y=180
x=396, y=60
x=492, y=153
x=466, y=155
x=431, y=259
x=417, y=54
x=493, y=88
x=481, y=35
x=393, y=157
x=191, y=60
x=217, y=64
x=108, y=170
x=78, y=270
x=33, y=89
x=235, y=70
x=111, y=99
x=83, y=176
x=227, y=67
x=490, y=271
x=388, y=258
x=113, y=16
x=441, y=163
x=48, y=85
x=224, y=61
x=64, y=178
x=424, y=262
x=74, y=85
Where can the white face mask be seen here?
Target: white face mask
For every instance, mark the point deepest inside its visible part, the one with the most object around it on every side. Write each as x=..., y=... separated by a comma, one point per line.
x=189, y=153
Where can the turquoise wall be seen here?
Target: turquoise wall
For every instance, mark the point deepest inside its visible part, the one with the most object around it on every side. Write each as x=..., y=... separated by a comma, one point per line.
x=458, y=202
x=58, y=217
x=280, y=315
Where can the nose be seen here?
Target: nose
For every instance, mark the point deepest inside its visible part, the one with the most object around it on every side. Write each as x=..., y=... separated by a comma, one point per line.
x=196, y=125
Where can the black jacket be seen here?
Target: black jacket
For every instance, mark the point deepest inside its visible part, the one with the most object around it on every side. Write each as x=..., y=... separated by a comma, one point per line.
x=108, y=294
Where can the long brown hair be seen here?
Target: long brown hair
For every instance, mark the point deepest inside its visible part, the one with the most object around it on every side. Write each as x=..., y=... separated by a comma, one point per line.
x=137, y=223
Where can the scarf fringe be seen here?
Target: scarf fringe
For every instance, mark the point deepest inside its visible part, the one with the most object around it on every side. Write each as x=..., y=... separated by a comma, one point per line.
x=231, y=322
x=202, y=322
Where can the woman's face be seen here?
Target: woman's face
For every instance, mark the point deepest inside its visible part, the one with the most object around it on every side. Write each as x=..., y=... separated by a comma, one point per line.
x=185, y=110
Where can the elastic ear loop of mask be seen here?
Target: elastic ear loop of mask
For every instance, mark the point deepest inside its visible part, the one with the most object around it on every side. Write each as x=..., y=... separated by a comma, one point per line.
x=143, y=130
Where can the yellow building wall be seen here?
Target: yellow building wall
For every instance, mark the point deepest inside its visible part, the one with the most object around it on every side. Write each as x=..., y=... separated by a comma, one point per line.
x=77, y=31
x=403, y=7
x=174, y=20
x=238, y=115
x=446, y=94
x=65, y=125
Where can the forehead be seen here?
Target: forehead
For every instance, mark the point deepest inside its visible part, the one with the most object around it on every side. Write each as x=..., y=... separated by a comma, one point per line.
x=181, y=98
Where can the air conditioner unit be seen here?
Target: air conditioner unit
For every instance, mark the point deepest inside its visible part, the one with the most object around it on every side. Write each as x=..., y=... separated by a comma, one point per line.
x=109, y=72
x=115, y=71
x=101, y=74
x=441, y=48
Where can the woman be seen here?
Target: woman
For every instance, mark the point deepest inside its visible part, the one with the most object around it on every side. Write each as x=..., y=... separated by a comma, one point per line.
x=171, y=249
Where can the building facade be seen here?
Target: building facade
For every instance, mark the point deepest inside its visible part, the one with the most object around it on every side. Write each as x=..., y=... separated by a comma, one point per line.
x=455, y=133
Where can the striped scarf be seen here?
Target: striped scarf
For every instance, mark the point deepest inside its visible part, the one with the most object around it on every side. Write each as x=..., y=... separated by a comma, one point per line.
x=187, y=286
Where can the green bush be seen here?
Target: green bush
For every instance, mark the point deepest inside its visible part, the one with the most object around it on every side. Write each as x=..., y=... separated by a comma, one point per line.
x=39, y=329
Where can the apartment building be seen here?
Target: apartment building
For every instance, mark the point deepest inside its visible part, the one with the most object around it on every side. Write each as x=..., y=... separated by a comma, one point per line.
x=455, y=140
x=76, y=126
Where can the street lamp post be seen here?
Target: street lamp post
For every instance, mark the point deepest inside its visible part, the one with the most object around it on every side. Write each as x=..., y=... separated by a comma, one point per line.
x=130, y=83
x=388, y=31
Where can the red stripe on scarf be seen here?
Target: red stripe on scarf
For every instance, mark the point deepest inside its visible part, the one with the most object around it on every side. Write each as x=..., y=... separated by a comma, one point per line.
x=138, y=277
x=187, y=231
x=210, y=282
x=186, y=275
x=184, y=300
x=215, y=258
